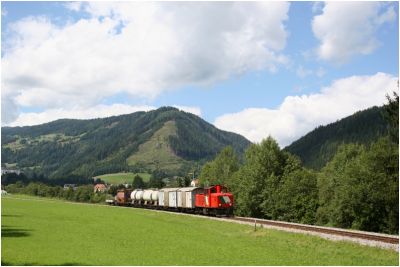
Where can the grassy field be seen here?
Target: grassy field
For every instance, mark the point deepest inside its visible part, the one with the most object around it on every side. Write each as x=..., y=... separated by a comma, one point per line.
x=122, y=177
x=52, y=232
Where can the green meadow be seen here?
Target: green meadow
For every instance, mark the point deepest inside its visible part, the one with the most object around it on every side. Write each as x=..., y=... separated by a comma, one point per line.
x=122, y=177
x=37, y=231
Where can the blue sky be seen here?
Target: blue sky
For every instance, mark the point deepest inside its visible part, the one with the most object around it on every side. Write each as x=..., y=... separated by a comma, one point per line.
x=257, y=69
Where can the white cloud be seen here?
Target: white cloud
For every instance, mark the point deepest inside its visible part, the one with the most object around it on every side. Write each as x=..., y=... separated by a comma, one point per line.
x=346, y=29
x=138, y=48
x=74, y=5
x=194, y=110
x=98, y=111
x=317, y=6
x=298, y=115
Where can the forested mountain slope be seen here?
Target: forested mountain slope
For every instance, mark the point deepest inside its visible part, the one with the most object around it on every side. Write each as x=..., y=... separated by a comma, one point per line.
x=166, y=139
x=318, y=147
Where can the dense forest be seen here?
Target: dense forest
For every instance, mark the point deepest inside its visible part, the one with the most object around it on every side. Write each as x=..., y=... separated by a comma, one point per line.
x=99, y=146
x=357, y=188
x=319, y=146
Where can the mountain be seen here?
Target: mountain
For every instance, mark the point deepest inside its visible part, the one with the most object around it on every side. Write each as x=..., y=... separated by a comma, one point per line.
x=165, y=139
x=318, y=147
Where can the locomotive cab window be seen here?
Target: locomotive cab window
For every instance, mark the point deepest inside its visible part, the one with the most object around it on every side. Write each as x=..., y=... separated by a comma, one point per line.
x=224, y=199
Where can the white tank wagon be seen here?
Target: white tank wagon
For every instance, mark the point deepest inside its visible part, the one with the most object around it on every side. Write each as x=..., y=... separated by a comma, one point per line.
x=154, y=195
x=147, y=195
x=137, y=196
x=150, y=197
x=133, y=195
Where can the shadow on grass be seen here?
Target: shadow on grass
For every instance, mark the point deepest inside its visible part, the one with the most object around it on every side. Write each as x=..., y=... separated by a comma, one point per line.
x=71, y=264
x=6, y=263
x=7, y=231
x=10, y=215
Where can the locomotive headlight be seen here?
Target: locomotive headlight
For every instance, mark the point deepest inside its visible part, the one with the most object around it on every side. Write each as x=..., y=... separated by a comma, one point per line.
x=219, y=204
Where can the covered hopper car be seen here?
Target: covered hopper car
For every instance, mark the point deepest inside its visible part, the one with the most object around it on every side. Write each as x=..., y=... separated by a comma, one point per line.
x=213, y=200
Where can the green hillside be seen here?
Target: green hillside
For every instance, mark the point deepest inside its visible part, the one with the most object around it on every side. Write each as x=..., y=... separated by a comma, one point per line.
x=157, y=151
x=51, y=232
x=166, y=138
x=318, y=147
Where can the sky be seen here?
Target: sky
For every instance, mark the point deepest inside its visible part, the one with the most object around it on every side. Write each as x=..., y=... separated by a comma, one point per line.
x=259, y=69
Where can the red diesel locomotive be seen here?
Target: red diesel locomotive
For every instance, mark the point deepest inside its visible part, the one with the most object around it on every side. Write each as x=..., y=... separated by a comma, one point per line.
x=212, y=200
x=215, y=200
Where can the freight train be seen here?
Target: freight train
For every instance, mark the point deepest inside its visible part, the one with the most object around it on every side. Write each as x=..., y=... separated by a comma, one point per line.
x=214, y=200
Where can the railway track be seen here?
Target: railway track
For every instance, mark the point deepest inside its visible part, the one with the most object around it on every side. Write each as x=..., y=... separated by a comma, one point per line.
x=389, y=239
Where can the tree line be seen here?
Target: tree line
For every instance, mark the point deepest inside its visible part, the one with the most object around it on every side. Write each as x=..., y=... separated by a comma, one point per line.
x=357, y=189
x=83, y=193
x=28, y=177
x=155, y=181
x=39, y=185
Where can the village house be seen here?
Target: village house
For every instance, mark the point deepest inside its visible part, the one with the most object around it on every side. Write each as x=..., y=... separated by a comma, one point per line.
x=100, y=188
x=194, y=182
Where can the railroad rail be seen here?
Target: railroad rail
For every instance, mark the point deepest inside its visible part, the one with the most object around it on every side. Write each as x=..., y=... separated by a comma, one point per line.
x=389, y=239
